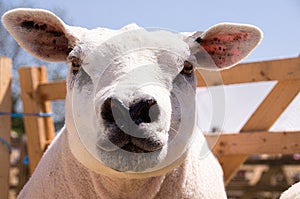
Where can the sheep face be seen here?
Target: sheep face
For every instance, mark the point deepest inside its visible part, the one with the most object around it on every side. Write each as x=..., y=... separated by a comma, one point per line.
x=139, y=87
x=130, y=105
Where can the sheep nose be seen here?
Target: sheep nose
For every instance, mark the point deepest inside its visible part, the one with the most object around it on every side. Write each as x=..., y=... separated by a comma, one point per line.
x=144, y=111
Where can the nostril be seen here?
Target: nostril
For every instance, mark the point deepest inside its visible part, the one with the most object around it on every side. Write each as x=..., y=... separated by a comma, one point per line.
x=144, y=111
x=106, y=112
x=112, y=108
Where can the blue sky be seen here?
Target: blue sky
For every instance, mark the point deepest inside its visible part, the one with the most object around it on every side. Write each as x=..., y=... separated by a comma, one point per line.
x=279, y=20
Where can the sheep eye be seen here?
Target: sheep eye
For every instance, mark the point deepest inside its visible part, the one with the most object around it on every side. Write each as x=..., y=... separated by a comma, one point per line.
x=75, y=65
x=188, y=68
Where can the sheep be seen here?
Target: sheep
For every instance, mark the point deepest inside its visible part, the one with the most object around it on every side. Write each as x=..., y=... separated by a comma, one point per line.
x=292, y=193
x=130, y=129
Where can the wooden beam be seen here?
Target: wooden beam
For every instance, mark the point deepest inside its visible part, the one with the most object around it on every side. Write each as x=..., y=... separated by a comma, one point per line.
x=52, y=90
x=5, y=124
x=38, y=129
x=262, y=119
x=282, y=69
x=255, y=143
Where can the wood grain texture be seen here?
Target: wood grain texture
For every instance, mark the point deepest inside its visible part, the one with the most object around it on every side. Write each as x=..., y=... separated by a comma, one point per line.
x=249, y=143
x=5, y=123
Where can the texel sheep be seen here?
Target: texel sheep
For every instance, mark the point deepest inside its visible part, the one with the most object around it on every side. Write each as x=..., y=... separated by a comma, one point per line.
x=130, y=108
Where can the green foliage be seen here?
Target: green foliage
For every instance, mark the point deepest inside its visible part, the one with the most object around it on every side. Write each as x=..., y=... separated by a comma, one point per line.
x=18, y=125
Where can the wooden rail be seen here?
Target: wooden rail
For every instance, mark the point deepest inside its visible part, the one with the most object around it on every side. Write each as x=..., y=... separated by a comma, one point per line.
x=5, y=124
x=52, y=90
x=232, y=149
x=272, y=70
x=248, y=143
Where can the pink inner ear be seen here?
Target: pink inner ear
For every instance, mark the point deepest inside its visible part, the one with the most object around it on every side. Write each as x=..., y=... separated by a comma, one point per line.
x=227, y=49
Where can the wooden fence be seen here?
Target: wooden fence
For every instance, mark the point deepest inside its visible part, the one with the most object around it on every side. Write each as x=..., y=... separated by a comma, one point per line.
x=231, y=149
x=254, y=138
x=5, y=124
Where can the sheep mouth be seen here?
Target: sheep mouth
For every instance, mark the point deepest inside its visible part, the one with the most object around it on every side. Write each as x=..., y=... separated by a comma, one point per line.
x=130, y=147
x=130, y=156
x=114, y=138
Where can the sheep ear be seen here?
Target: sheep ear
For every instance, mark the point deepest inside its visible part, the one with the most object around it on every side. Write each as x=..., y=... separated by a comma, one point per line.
x=40, y=32
x=224, y=45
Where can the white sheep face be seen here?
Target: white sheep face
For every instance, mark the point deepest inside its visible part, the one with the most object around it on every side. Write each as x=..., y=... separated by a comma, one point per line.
x=133, y=81
x=130, y=105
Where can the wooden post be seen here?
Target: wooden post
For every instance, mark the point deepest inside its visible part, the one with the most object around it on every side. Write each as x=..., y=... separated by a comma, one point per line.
x=39, y=130
x=5, y=124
